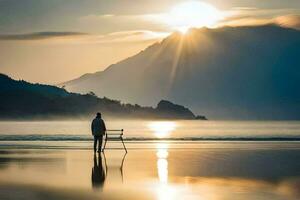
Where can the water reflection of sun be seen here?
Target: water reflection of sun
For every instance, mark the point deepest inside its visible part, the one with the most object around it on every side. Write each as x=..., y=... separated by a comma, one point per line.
x=164, y=191
x=162, y=162
x=162, y=129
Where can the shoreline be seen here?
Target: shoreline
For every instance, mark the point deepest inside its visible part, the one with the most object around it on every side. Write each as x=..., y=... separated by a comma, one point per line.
x=218, y=171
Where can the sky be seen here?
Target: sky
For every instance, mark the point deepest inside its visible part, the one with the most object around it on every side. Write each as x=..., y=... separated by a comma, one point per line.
x=52, y=41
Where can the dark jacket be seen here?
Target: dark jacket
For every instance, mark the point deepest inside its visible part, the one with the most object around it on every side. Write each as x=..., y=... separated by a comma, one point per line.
x=98, y=127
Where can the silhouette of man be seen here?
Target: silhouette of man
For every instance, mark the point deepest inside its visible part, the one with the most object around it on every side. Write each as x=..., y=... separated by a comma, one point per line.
x=98, y=130
x=98, y=173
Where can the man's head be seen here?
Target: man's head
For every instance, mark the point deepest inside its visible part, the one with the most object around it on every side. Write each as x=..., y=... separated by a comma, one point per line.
x=98, y=115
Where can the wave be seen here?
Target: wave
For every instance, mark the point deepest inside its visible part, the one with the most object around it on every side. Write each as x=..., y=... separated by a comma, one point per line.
x=141, y=139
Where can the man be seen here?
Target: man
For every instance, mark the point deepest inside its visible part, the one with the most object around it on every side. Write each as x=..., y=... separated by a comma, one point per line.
x=98, y=131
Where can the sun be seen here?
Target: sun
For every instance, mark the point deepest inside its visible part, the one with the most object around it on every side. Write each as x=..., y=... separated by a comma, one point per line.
x=193, y=14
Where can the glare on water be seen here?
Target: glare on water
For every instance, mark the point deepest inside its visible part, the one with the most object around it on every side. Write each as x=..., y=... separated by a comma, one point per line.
x=164, y=190
x=162, y=129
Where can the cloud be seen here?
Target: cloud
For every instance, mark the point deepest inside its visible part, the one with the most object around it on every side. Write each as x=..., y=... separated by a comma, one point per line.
x=244, y=16
x=236, y=16
x=111, y=20
x=290, y=21
x=122, y=22
x=122, y=37
x=85, y=38
x=133, y=36
x=39, y=35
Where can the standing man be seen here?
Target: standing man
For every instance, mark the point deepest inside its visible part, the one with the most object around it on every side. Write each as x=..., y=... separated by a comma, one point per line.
x=98, y=131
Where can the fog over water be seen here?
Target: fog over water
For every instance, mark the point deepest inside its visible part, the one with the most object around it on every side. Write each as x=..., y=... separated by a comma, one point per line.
x=158, y=129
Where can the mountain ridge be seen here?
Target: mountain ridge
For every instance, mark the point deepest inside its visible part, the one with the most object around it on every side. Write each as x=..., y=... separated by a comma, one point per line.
x=262, y=61
x=24, y=100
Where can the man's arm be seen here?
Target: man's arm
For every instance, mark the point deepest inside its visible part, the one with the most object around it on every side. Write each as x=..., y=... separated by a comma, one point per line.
x=92, y=126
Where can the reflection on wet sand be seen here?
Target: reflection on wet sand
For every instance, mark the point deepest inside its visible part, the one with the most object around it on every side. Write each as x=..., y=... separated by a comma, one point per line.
x=162, y=163
x=164, y=190
x=162, y=173
x=98, y=172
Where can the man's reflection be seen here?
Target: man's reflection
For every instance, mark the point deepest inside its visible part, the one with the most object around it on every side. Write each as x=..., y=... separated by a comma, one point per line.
x=98, y=172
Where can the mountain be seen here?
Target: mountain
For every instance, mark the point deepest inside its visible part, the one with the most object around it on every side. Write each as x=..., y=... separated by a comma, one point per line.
x=22, y=100
x=224, y=73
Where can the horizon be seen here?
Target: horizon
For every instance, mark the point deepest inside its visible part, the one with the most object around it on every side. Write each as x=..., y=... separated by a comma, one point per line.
x=60, y=46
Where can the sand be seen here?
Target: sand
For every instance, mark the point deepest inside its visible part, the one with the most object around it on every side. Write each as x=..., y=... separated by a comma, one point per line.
x=200, y=170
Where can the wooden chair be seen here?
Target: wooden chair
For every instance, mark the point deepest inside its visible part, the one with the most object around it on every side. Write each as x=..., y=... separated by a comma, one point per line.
x=114, y=135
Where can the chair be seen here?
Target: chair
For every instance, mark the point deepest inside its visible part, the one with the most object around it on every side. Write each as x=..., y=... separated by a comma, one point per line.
x=114, y=135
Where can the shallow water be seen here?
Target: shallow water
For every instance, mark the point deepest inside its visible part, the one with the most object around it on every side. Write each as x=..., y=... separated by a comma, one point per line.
x=43, y=160
x=220, y=171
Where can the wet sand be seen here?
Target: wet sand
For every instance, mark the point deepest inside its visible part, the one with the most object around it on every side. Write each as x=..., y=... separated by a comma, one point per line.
x=201, y=170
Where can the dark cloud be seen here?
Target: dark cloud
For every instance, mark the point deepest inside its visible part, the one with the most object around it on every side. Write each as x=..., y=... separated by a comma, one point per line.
x=39, y=35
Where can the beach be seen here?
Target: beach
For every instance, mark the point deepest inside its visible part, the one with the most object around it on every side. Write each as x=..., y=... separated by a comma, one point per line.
x=204, y=170
x=211, y=161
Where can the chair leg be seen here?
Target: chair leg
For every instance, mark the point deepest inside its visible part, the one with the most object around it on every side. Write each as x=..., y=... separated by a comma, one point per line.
x=123, y=144
x=106, y=169
x=121, y=168
x=104, y=143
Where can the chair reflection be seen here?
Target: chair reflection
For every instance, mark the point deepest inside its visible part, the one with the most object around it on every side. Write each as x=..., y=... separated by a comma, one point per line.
x=100, y=170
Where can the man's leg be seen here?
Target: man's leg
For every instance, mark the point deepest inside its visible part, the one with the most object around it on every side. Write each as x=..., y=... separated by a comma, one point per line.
x=95, y=143
x=100, y=143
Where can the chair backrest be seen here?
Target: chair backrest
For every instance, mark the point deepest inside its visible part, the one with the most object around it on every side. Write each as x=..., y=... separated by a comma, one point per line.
x=115, y=132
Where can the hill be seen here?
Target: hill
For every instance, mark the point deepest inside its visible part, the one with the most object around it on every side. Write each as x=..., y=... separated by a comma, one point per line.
x=23, y=100
x=224, y=73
